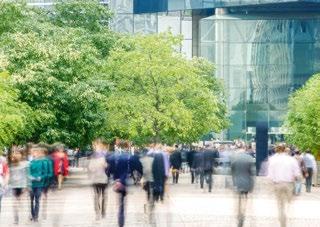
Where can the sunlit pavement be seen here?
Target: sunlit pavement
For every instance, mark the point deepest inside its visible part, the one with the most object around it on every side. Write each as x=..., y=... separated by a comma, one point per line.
x=185, y=205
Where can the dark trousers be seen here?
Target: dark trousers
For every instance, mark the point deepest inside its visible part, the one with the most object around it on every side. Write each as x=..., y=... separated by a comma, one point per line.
x=206, y=175
x=121, y=212
x=192, y=176
x=309, y=179
x=175, y=176
x=35, y=195
x=100, y=199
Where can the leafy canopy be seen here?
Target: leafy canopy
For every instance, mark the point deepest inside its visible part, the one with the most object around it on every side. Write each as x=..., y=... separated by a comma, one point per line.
x=56, y=59
x=303, y=119
x=158, y=95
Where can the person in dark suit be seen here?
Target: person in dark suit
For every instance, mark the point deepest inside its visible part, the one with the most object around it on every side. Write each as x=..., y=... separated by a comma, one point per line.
x=175, y=164
x=190, y=160
x=243, y=172
x=119, y=169
x=207, y=163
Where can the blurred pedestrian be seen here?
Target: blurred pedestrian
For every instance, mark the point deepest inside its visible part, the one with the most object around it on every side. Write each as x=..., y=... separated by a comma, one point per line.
x=18, y=178
x=97, y=174
x=77, y=156
x=49, y=177
x=207, y=164
x=298, y=183
x=311, y=167
x=135, y=167
x=4, y=176
x=243, y=172
x=175, y=164
x=283, y=171
x=60, y=164
x=148, y=184
x=37, y=176
x=190, y=160
x=119, y=169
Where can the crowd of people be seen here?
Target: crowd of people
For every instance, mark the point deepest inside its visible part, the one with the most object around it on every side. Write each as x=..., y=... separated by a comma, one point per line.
x=32, y=169
x=38, y=168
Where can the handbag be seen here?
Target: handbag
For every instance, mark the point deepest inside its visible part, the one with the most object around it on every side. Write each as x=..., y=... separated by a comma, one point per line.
x=118, y=187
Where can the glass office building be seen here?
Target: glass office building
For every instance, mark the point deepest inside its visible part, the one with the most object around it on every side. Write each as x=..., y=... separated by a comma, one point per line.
x=263, y=49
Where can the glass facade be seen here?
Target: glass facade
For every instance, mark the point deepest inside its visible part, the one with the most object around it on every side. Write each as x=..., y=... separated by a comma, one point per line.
x=179, y=23
x=149, y=6
x=261, y=61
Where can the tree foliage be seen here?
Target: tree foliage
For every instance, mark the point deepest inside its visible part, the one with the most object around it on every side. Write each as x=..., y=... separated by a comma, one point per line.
x=13, y=114
x=160, y=96
x=303, y=119
x=56, y=60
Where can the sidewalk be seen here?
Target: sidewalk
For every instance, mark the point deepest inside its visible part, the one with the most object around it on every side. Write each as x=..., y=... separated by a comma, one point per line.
x=185, y=205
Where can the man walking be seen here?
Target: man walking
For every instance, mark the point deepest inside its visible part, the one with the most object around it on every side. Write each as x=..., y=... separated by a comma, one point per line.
x=243, y=172
x=311, y=166
x=283, y=171
x=208, y=158
x=175, y=164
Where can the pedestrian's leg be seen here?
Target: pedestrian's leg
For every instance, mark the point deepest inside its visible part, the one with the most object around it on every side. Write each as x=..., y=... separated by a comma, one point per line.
x=177, y=176
x=150, y=203
x=309, y=180
x=0, y=202
x=60, y=180
x=17, y=198
x=201, y=179
x=240, y=215
x=37, y=196
x=210, y=181
x=32, y=197
x=15, y=209
x=192, y=176
x=45, y=203
x=281, y=197
x=96, y=201
x=173, y=176
x=104, y=200
x=121, y=209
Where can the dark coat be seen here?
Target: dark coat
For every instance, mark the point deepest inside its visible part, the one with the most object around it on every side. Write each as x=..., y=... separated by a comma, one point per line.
x=176, y=160
x=208, y=160
x=159, y=175
x=135, y=164
x=243, y=172
x=190, y=158
x=119, y=166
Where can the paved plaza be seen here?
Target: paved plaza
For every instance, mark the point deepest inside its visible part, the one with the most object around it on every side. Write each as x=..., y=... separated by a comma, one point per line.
x=185, y=205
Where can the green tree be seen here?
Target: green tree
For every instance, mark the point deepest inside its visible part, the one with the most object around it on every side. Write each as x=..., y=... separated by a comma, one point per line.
x=87, y=14
x=303, y=119
x=13, y=114
x=57, y=64
x=160, y=96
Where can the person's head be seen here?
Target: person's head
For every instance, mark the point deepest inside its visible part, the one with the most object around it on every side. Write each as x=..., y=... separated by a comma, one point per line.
x=37, y=152
x=280, y=148
x=17, y=155
x=100, y=145
x=297, y=152
x=124, y=145
x=287, y=150
x=308, y=151
x=58, y=148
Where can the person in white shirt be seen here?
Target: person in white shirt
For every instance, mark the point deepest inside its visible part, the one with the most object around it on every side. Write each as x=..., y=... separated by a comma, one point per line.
x=283, y=171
